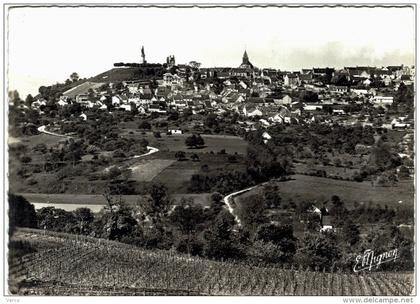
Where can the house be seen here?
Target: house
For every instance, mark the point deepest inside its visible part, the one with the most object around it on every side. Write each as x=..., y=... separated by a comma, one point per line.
x=382, y=101
x=338, y=112
x=359, y=91
x=337, y=89
x=155, y=108
x=250, y=110
x=126, y=107
x=133, y=88
x=326, y=223
x=291, y=80
x=406, y=79
x=312, y=107
x=62, y=103
x=175, y=131
x=266, y=137
x=286, y=100
x=83, y=116
x=306, y=78
x=116, y=100
x=82, y=98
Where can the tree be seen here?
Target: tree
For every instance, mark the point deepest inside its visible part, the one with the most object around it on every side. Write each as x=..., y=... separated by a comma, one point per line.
x=321, y=250
x=74, y=77
x=251, y=212
x=56, y=219
x=194, y=141
x=29, y=100
x=351, y=233
x=85, y=218
x=216, y=203
x=187, y=217
x=14, y=97
x=116, y=223
x=180, y=155
x=173, y=115
x=145, y=125
x=281, y=236
x=160, y=199
x=219, y=241
x=271, y=195
x=21, y=213
x=195, y=157
x=211, y=121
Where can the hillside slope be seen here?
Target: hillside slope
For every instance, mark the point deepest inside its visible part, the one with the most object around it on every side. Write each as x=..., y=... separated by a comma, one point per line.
x=72, y=265
x=128, y=74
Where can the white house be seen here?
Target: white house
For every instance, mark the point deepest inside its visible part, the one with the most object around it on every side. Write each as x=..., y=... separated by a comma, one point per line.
x=116, y=100
x=175, y=131
x=251, y=111
x=264, y=122
x=286, y=100
x=276, y=119
x=126, y=107
x=379, y=101
x=359, y=91
x=338, y=112
x=62, y=103
x=312, y=107
x=266, y=137
x=83, y=116
x=291, y=80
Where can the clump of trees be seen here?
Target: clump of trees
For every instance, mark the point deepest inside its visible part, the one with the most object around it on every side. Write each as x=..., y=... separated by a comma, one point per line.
x=194, y=141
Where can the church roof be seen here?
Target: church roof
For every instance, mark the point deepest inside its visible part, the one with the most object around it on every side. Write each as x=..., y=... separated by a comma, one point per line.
x=246, y=64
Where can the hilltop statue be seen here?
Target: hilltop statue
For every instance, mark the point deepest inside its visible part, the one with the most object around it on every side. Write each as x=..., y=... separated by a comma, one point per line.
x=143, y=55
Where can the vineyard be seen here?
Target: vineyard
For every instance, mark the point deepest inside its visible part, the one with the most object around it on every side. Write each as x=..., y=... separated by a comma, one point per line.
x=72, y=265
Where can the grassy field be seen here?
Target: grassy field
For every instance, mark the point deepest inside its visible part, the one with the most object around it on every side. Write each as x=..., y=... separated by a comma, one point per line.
x=87, y=266
x=330, y=170
x=177, y=176
x=318, y=189
x=215, y=143
x=32, y=141
x=93, y=200
x=147, y=170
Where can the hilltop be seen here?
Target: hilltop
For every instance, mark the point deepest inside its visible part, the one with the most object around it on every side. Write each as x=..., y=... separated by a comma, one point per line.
x=119, y=74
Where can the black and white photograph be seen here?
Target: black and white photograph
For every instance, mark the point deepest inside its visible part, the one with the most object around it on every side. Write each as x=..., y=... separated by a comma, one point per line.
x=209, y=150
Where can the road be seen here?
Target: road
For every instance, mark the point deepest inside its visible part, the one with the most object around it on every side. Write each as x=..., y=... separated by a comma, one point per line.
x=228, y=199
x=42, y=130
x=150, y=149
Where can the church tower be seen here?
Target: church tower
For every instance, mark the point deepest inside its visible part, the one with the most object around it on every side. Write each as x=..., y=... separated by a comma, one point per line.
x=245, y=59
x=246, y=64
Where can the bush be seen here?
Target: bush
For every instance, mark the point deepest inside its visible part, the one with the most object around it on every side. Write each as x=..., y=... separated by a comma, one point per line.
x=21, y=213
x=25, y=159
x=31, y=181
x=145, y=125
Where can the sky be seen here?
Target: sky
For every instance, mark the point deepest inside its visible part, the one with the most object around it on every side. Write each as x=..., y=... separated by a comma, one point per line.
x=45, y=45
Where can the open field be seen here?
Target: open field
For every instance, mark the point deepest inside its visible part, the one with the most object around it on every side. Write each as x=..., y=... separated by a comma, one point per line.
x=82, y=88
x=146, y=170
x=70, y=202
x=87, y=266
x=32, y=141
x=215, y=143
x=318, y=189
x=329, y=170
x=177, y=176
